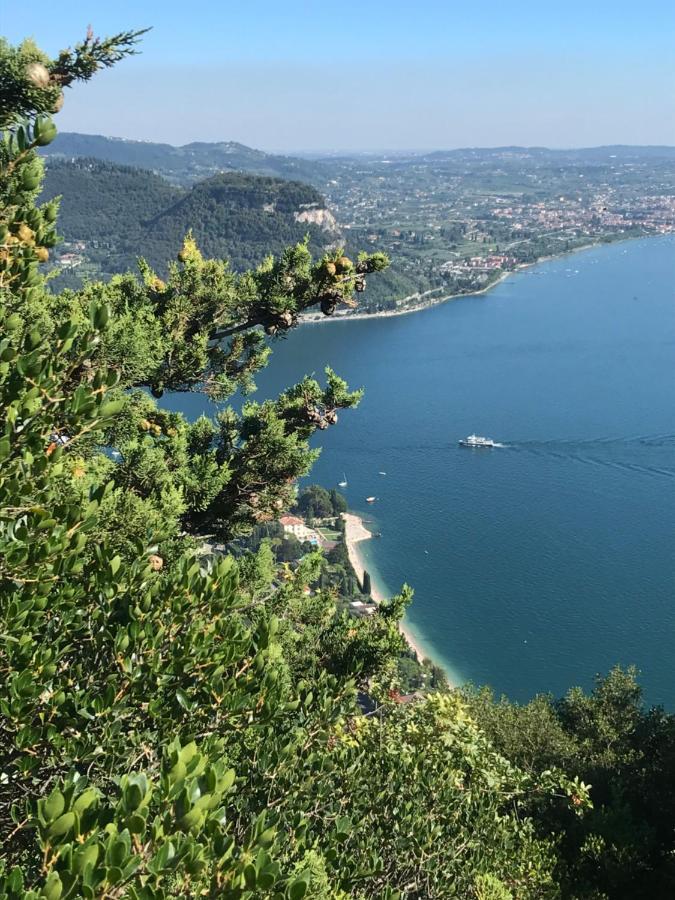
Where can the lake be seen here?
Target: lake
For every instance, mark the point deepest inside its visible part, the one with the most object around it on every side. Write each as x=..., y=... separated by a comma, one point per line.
x=538, y=564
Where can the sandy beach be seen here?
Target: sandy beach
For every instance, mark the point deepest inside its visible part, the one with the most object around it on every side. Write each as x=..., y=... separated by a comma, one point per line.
x=355, y=532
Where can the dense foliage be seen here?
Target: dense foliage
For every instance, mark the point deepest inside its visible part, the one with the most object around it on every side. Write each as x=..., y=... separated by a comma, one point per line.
x=315, y=502
x=624, y=847
x=178, y=723
x=120, y=213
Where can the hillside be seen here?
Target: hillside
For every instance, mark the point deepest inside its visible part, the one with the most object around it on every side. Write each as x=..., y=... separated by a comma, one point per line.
x=186, y=164
x=242, y=217
x=111, y=215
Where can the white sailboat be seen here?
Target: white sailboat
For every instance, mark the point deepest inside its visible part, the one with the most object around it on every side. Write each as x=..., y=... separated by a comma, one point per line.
x=343, y=483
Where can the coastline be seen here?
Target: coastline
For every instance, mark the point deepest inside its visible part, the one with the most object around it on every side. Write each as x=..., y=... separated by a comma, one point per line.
x=319, y=318
x=355, y=532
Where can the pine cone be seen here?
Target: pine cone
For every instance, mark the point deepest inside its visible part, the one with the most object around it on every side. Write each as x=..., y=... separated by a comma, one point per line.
x=328, y=305
x=38, y=75
x=344, y=264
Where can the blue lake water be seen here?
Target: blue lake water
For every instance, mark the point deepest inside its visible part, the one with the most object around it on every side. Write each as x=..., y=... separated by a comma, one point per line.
x=539, y=564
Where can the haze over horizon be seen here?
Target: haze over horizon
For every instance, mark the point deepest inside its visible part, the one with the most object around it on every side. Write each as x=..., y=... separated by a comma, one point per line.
x=331, y=152
x=307, y=78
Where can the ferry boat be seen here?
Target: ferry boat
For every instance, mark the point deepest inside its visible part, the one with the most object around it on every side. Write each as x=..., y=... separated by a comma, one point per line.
x=475, y=440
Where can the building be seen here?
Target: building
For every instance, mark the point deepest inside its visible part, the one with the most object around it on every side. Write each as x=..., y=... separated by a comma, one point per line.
x=70, y=260
x=295, y=526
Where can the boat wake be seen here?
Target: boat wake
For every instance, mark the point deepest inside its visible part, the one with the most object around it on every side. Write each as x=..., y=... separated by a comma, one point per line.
x=607, y=453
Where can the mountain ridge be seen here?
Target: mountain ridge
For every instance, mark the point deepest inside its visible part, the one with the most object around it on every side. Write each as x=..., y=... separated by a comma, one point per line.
x=184, y=164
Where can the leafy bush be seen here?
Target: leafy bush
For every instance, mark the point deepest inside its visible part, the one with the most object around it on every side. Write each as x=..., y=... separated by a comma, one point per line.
x=176, y=727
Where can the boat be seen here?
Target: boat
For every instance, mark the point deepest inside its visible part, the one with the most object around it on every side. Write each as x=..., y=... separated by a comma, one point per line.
x=371, y=499
x=475, y=440
x=343, y=483
x=382, y=473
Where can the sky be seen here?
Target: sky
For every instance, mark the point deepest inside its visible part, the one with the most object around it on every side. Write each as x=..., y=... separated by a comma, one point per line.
x=371, y=75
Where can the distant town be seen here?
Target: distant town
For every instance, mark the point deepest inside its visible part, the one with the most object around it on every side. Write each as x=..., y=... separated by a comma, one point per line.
x=452, y=222
x=455, y=222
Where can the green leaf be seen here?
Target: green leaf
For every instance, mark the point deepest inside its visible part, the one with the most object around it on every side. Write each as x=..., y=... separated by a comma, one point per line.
x=111, y=408
x=99, y=313
x=85, y=800
x=15, y=880
x=250, y=876
x=163, y=856
x=136, y=824
x=298, y=888
x=85, y=857
x=53, y=887
x=53, y=806
x=13, y=322
x=183, y=700
x=62, y=825
x=227, y=780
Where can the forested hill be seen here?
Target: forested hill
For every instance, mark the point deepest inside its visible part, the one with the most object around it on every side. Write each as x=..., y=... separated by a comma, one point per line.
x=111, y=215
x=243, y=217
x=186, y=164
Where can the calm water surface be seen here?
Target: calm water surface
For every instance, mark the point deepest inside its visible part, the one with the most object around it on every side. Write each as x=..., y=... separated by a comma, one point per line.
x=539, y=564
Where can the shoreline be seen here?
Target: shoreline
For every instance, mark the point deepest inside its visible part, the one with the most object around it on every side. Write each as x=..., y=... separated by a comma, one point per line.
x=319, y=318
x=355, y=532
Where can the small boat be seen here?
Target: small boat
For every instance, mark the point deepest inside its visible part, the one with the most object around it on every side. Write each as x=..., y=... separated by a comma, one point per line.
x=475, y=440
x=343, y=483
x=371, y=499
x=382, y=473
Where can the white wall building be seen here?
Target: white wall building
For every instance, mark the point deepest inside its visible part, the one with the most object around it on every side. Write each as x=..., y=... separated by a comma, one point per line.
x=295, y=526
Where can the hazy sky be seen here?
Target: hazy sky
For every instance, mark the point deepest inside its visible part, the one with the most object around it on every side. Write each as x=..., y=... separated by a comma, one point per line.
x=290, y=75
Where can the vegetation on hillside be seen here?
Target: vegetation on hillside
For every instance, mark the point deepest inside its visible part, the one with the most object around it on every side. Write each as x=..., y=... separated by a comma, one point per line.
x=121, y=213
x=178, y=727
x=187, y=164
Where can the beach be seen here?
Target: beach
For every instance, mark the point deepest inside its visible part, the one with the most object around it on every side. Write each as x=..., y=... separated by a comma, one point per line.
x=355, y=533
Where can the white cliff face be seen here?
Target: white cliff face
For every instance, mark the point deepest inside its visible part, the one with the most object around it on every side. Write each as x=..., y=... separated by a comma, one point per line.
x=324, y=218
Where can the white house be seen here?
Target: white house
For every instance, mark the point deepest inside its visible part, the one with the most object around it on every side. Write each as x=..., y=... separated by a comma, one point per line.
x=295, y=526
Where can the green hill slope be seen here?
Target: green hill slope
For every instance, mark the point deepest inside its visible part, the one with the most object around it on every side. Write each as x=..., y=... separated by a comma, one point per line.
x=186, y=164
x=241, y=217
x=113, y=214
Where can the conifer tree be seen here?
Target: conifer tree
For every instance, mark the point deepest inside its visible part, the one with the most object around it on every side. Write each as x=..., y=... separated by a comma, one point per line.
x=174, y=727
